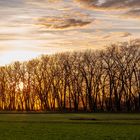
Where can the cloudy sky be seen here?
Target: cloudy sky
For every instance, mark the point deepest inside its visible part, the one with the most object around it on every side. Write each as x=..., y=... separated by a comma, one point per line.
x=29, y=28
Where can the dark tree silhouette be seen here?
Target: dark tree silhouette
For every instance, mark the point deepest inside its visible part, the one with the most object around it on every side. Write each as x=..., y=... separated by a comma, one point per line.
x=105, y=80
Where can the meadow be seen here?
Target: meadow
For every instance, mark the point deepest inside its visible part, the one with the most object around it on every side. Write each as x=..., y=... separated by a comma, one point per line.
x=96, y=126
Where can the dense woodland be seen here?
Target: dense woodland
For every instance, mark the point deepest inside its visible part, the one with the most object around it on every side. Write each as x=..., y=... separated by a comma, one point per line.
x=103, y=80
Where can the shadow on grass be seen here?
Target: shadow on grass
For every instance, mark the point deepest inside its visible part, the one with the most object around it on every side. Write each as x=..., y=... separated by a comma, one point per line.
x=75, y=122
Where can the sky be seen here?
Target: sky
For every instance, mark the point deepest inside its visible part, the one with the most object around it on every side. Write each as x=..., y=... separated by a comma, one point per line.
x=29, y=28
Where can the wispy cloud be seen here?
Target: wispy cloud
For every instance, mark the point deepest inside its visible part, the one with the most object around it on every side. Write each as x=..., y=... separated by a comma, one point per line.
x=133, y=13
x=117, y=34
x=125, y=8
x=61, y=23
x=110, y=4
x=50, y=26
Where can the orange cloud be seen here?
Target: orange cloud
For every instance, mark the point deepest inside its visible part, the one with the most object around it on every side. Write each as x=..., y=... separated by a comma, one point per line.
x=61, y=23
x=134, y=13
x=110, y=4
x=117, y=34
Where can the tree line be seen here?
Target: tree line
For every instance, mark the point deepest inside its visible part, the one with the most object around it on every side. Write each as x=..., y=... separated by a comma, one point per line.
x=103, y=80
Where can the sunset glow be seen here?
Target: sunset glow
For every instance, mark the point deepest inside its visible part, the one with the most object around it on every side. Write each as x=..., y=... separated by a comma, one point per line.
x=29, y=28
x=11, y=56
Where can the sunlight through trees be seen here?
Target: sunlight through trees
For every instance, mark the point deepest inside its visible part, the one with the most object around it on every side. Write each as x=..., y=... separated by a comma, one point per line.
x=106, y=80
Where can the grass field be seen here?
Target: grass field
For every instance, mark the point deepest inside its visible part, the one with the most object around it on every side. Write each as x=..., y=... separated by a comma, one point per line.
x=70, y=126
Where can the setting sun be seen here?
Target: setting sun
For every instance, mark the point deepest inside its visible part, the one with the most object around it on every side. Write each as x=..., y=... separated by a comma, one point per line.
x=21, y=86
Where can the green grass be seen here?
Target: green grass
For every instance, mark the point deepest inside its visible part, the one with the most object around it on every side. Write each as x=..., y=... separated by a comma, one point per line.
x=61, y=127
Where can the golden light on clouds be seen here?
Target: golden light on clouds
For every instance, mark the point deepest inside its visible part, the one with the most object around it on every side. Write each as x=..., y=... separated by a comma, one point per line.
x=29, y=28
